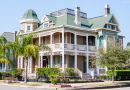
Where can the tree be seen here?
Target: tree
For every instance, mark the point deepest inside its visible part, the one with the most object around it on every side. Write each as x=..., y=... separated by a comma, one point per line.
x=4, y=51
x=113, y=57
x=24, y=46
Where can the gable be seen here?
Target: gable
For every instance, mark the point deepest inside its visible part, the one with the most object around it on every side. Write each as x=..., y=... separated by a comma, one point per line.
x=45, y=19
x=112, y=21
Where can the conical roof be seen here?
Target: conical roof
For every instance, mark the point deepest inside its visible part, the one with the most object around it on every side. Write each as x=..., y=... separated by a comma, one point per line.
x=30, y=14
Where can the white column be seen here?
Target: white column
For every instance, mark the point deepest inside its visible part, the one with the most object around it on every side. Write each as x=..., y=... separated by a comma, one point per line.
x=51, y=59
x=63, y=61
x=39, y=40
x=87, y=41
x=18, y=63
x=41, y=62
x=105, y=42
x=21, y=62
x=51, y=38
x=76, y=60
x=75, y=41
x=87, y=63
x=96, y=43
x=30, y=64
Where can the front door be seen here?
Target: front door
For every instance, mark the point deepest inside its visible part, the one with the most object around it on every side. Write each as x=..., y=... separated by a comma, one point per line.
x=44, y=63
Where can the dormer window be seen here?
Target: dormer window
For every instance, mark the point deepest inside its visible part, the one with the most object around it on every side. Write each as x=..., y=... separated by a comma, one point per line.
x=28, y=28
x=113, y=27
x=46, y=24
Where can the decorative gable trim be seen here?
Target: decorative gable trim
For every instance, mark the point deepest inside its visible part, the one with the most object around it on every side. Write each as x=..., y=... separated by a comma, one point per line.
x=45, y=19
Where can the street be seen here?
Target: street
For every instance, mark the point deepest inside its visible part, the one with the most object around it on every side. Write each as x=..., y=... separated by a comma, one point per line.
x=9, y=87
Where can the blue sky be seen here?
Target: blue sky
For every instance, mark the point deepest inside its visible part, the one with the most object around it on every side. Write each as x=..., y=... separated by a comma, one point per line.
x=11, y=11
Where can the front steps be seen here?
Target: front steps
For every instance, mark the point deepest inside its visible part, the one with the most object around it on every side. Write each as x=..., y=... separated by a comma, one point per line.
x=30, y=76
x=86, y=76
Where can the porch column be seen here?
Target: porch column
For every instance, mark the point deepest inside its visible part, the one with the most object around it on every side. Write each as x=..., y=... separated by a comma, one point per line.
x=51, y=59
x=18, y=63
x=87, y=41
x=63, y=61
x=87, y=63
x=21, y=62
x=105, y=42
x=76, y=60
x=39, y=66
x=41, y=62
x=30, y=64
x=75, y=41
x=96, y=43
x=39, y=39
x=51, y=38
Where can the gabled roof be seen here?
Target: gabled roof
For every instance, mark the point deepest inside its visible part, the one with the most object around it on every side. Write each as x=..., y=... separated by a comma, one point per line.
x=92, y=23
x=9, y=36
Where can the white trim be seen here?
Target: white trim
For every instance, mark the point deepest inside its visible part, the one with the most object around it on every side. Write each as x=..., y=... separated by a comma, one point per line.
x=29, y=20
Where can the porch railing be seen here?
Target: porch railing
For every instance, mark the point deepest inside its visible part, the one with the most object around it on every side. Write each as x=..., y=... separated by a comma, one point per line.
x=70, y=46
x=82, y=47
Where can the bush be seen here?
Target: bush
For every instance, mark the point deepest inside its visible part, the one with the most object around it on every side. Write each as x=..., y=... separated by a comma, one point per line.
x=48, y=71
x=17, y=72
x=102, y=77
x=120, y=74
x=71, y=72
x=54, y=79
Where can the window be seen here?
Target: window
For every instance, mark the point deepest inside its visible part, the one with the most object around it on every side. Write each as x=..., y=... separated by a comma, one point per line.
x=120, y=41
x=28, y=28
x=60, y=37
x=113, y=27
x=109, y=26
x=71, y=61
x=46, y=25
x=105, y=26
x=44, y=40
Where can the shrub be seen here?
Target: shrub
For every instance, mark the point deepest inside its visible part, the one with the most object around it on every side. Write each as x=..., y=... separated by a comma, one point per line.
x=48, y=71
x=54, y=79
x=71, y=72
x=102, y=77
x=17, y=72
x=120, y=74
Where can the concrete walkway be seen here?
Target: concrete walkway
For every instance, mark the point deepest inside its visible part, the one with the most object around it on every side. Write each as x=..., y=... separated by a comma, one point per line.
x=74, y=85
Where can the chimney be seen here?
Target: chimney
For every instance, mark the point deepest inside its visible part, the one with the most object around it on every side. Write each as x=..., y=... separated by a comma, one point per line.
x=107, y=9
x=77, y=15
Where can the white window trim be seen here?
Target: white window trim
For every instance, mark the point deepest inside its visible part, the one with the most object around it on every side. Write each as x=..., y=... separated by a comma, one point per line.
x=31, y=27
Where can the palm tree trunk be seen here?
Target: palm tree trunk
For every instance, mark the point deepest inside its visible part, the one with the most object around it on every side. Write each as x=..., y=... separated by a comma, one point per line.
x=113, y=75
x=25, y=77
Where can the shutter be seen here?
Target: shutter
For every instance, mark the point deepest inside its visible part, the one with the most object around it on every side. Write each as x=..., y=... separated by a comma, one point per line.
x=60, y=37
x=58, y=61
x=72, y=38
x=93, y=41
x=84, y=40
x=69, y=61
x=0, y=66
x=53, y=61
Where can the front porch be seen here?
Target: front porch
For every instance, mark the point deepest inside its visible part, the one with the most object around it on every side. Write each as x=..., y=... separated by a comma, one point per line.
x=82, y=62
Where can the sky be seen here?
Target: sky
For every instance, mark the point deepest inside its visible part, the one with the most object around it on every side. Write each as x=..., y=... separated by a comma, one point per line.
x=12, y=11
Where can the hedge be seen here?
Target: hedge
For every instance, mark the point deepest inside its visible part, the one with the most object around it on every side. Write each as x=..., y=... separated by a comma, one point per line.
x=120, y=74
x=71, y=72
x=48, y=71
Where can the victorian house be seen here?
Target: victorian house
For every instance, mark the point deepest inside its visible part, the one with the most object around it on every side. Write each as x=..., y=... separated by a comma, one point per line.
x=73, y=38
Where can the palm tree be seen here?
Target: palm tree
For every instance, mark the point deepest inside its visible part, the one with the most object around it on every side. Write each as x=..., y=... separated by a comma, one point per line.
x=26, y=48
x=4, y=51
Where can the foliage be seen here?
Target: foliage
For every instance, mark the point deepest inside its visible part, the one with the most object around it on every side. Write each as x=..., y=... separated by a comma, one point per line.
x=71, y=72
x=17, y=72
x=48, y=71
x=54, y=79
x=113, y=57
x=6, y=74
x=102, y=77
x=119, y=74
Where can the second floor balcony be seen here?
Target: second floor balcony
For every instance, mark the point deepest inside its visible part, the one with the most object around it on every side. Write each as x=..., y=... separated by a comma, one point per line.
x=71, y=41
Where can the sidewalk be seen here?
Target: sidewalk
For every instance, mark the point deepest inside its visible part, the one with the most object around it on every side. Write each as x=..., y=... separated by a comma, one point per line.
x=74, y=85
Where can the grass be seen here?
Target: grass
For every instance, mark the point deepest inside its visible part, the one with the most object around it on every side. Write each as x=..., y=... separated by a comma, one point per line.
x=28, y=84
